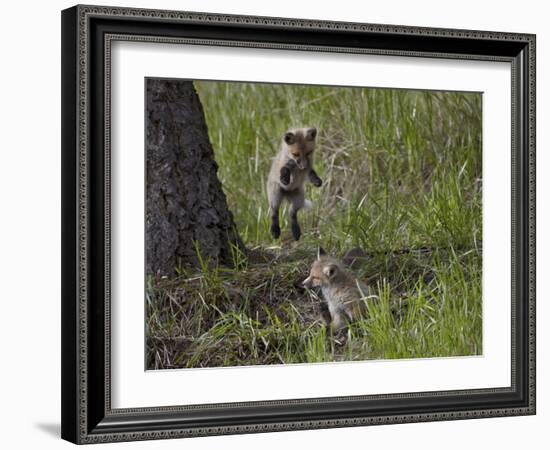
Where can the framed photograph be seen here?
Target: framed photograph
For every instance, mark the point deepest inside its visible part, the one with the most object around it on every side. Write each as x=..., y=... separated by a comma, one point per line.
x=281, y=224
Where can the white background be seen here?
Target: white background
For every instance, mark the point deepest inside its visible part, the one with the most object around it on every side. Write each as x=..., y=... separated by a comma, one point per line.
x=133, y=387
x=30, y=234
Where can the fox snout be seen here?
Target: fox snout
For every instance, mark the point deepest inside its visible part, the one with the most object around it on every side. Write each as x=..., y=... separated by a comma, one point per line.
x=308, y=283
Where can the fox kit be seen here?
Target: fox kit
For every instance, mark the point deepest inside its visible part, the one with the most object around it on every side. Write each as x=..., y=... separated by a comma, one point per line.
x=344, y=294
x=290, y=168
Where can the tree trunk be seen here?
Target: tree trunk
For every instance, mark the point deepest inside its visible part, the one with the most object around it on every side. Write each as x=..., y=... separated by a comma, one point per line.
x=186, y=208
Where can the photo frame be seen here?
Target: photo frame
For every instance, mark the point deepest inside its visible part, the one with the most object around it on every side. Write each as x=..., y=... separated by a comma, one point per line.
x=88, y=35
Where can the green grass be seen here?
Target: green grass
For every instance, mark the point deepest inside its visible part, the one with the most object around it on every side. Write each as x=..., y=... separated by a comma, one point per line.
x=401, y=170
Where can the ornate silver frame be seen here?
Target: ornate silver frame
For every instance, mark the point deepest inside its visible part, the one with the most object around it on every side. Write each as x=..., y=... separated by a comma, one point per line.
x=88, y=32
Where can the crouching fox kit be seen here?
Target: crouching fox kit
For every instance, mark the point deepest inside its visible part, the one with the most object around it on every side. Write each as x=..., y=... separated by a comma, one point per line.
x=344, y=294
x=290, y=168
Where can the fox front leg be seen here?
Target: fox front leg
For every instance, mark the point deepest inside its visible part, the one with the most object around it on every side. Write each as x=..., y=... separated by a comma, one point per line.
x=338, y=323
x=314, y=178
x=325, y=314
x=338, y=329
x=286, y=171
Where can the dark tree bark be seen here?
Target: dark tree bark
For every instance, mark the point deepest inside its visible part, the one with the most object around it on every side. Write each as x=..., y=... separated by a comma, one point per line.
x=185, y=202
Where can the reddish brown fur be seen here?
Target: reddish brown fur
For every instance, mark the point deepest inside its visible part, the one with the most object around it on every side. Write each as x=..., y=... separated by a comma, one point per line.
x=289, y=170
x=344, y=294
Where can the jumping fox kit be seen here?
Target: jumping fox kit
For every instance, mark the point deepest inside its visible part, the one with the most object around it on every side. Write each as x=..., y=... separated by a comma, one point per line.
x=344, y=294
x=287, y=176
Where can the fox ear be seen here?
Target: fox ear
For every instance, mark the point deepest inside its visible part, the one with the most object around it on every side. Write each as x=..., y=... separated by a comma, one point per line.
x=320, y=252
x=311, y=133
x=289, y=138
x=329, y=270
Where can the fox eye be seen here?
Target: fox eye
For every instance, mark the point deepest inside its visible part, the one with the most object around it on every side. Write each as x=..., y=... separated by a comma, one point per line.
x=329, y=270
x=289, y=138
x=295, y=155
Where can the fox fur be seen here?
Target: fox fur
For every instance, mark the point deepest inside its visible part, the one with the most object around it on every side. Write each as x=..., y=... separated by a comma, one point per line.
x=289, y=171
x=345, y=295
